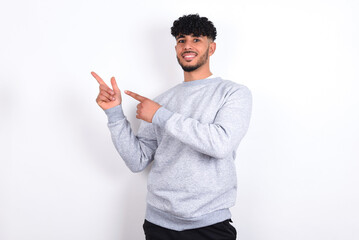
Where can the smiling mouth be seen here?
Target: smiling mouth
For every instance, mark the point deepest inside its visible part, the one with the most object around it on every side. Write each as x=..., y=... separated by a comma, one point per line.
x=189, y=55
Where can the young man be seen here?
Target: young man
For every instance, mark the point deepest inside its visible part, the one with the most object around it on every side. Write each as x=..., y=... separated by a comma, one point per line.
x=191, y=133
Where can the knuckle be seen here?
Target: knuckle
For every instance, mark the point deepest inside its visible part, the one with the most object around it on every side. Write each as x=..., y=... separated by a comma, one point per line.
x=103, y=93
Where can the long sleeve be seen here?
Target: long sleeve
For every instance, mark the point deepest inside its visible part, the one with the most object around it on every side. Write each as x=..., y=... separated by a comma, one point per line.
x=217, y=139
x=136, y=151
x=192, y=141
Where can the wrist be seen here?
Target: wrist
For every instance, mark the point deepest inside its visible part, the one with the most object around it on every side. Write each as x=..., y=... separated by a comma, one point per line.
x=161, y=116
x=115, y=113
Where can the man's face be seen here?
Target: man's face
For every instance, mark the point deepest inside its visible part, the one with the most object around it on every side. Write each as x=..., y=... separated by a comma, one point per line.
x=193, y=52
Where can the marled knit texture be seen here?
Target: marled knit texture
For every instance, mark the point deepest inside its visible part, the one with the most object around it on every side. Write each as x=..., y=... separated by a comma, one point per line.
x=192, y=142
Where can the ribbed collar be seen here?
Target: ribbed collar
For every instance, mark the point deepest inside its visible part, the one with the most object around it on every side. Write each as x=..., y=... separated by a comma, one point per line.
x=208, y=80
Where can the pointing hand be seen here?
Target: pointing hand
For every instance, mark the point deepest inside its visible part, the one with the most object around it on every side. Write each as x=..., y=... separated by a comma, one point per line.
x=146, y=109
x=107, y=98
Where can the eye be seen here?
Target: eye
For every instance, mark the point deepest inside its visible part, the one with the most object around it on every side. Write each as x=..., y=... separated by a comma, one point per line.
x=180, y=41
x=196, y=40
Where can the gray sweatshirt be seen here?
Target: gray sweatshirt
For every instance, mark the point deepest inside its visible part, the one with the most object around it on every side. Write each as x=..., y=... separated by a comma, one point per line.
x=192, y=143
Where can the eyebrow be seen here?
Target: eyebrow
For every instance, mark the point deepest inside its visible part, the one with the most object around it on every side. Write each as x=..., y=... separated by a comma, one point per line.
x=183, y=36
x=180, y=36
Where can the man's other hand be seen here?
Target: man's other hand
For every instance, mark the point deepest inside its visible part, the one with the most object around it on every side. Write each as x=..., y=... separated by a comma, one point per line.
x=146, y=109
x=107, y=98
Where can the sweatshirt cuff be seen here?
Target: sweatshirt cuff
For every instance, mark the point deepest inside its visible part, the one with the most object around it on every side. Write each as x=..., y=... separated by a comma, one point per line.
x=115, y=114
x=161, y=116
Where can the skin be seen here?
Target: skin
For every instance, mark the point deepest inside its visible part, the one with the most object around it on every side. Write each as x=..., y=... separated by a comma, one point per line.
x=201, y=46
x=108, y=98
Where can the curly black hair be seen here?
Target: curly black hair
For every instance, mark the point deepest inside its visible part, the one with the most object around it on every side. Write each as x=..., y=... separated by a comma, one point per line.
x=194, y=24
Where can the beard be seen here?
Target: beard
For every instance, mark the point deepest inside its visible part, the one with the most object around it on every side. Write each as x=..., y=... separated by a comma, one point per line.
x=202, y=60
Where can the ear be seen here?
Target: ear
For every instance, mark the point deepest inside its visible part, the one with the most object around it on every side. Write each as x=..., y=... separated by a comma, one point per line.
x=212, y=48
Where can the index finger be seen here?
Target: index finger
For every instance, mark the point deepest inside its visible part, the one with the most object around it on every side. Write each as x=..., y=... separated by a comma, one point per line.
x=99, y=80
x=135, y=96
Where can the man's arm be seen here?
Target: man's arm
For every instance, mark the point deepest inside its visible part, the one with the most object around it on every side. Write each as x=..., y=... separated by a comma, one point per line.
x=136, y=151
x=217, y=139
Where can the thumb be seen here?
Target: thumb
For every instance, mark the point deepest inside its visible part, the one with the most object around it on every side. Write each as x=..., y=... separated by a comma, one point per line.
x=114, y=86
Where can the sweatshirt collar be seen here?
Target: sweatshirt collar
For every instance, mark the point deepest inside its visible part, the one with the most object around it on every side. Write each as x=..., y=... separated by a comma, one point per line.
x=210, y=79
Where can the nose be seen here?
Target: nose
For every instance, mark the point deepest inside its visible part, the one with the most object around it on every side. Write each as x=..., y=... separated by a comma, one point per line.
x=187, y=45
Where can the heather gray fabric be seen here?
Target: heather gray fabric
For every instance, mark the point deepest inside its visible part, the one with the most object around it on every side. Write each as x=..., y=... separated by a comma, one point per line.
x=192, y=142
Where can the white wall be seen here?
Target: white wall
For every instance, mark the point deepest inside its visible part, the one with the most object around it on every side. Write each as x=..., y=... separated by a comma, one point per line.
x=60, y=176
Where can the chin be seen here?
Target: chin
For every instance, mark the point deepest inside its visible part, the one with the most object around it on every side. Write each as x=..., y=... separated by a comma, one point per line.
x=189, y=68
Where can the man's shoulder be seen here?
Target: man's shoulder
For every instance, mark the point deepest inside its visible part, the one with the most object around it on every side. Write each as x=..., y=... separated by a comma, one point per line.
x=233, y=86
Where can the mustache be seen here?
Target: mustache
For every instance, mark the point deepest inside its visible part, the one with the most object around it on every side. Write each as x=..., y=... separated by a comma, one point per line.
x=189, y=52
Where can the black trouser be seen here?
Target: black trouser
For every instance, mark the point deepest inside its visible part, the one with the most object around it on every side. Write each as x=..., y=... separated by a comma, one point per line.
x=219, y=231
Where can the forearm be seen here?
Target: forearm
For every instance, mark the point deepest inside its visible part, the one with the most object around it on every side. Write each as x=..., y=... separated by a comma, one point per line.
x=218, y=138
x=136, y=151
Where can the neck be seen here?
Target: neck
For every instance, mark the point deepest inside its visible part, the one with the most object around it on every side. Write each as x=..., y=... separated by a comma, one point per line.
x=197, y=74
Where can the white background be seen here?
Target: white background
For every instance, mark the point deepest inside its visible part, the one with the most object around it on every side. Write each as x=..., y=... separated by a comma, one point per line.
x=60, y=176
